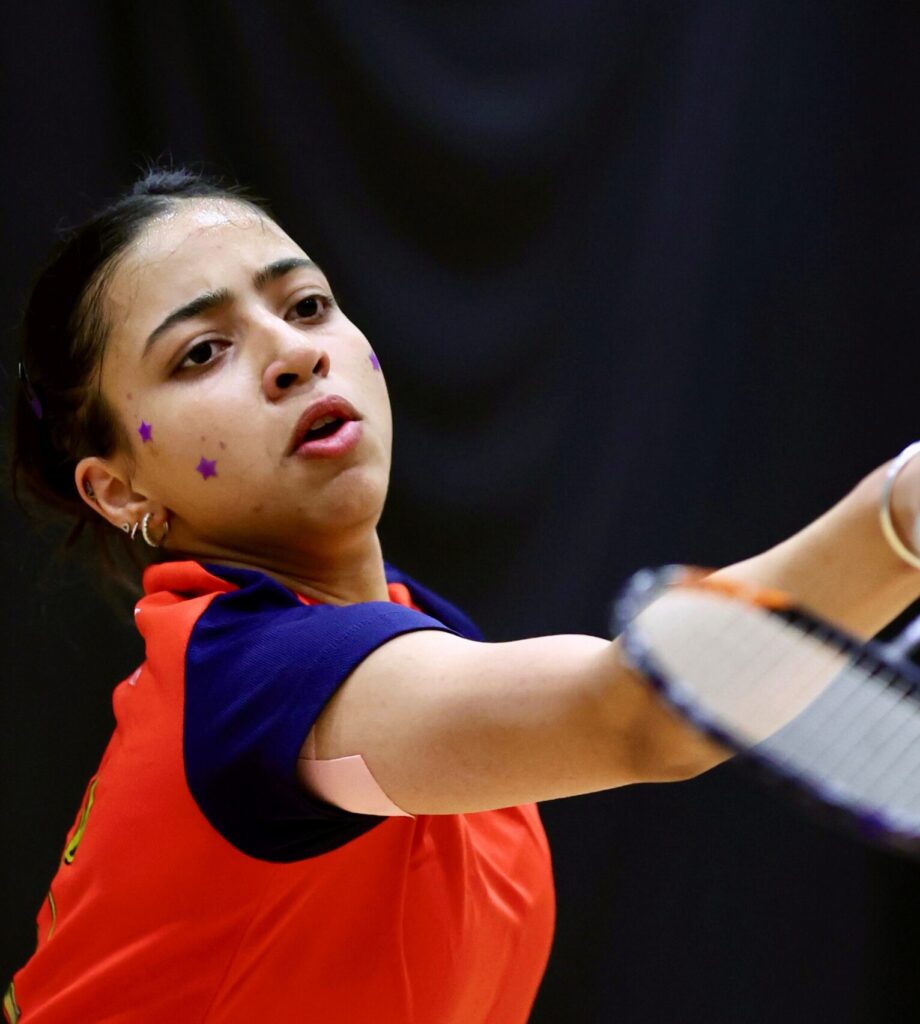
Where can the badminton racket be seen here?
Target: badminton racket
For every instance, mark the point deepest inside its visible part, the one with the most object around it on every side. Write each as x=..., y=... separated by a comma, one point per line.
x=834, y=718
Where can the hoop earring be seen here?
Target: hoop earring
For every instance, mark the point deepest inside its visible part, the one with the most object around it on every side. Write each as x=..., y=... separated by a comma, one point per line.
x=145, y=522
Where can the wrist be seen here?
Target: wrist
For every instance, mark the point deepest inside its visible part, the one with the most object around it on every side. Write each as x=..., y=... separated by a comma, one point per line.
x=841, y=566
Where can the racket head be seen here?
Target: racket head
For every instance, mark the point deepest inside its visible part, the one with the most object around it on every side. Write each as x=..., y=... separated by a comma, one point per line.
x=850, y=702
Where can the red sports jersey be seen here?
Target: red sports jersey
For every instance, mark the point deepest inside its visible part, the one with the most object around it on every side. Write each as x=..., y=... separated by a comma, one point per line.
x=201, y=883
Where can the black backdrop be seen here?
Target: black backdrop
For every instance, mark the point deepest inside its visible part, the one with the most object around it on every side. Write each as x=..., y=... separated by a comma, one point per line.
x=642, y=276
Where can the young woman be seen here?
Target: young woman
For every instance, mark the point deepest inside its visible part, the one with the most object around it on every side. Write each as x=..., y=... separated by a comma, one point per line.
x=318, y=800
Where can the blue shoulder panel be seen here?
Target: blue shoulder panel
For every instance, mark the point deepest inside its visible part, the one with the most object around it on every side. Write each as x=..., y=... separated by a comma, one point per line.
x=260, y=666
x=435, y=605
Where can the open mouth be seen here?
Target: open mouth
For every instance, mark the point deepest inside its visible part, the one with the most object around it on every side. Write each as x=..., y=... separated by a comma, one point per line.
x=324, y=427
x=327, y=428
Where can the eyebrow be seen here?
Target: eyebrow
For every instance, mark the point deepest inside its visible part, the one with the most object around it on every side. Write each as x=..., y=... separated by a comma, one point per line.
x=207, y=301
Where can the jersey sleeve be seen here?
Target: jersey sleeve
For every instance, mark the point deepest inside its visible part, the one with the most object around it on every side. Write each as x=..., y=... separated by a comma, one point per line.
x=260, y=666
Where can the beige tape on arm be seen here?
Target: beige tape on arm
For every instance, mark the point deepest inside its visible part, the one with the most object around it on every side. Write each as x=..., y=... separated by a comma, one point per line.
x=345, y=782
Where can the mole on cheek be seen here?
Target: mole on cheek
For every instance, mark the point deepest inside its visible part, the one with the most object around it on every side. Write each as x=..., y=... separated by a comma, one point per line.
x=221, y=443
x=257, y=508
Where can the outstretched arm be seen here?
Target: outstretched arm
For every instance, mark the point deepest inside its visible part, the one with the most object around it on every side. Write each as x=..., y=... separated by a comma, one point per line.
x=449, y=725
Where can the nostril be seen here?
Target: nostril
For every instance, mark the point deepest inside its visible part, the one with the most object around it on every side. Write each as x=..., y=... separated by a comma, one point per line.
x=285, y=380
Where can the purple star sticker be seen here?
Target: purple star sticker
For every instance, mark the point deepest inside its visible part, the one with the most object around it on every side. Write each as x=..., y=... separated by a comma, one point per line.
x=375, y=362
x=145, y=430
x=206, y=467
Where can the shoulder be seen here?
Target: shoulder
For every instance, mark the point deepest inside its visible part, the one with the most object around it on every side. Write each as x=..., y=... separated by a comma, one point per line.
x=258, y=665
x=262, y=620
x=435, y=605
x=234, y=618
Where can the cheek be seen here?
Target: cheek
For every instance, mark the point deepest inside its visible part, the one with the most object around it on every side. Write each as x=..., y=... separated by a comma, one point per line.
x=178, y=451
x=183, y=448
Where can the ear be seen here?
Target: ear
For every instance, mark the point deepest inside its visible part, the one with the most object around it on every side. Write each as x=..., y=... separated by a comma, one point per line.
x=105, y=486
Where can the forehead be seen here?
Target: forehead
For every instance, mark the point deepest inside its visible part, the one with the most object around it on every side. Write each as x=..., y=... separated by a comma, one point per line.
x=197, y=246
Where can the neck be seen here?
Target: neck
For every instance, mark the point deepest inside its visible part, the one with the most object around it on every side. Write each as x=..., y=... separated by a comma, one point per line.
x=348, y=575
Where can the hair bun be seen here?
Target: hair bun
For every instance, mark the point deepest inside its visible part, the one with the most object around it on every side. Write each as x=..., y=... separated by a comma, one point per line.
x=159, y=181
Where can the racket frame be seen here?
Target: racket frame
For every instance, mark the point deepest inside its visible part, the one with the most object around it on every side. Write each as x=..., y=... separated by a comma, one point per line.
x=648, y=585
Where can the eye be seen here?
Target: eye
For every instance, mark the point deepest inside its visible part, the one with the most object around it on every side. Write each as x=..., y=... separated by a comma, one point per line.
x=202, y=353
x=312, y=307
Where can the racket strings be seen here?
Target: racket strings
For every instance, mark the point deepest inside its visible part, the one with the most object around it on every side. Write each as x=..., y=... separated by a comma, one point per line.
x=848, y=727
x=754, y=671
x=870, y=732
x=849, y=741
x=860, y=744
x=855, y=736
x=844, y=702
x=803, y=669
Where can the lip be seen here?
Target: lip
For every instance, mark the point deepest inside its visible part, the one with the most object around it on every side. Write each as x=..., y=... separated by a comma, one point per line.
x=330, y=405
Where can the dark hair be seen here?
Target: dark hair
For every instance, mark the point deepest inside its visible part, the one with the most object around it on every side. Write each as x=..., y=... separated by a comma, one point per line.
x=60, y=415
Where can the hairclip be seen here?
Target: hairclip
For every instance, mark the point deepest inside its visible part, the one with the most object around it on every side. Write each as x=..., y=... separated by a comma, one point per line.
x=32, y=397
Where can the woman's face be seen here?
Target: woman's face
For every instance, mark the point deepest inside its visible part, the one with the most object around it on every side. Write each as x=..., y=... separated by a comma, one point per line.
x=222, y=334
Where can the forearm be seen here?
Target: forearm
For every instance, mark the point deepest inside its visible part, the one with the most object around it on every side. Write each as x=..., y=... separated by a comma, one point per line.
x=840, y=566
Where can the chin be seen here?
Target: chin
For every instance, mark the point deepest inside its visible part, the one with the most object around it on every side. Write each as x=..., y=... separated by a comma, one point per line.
x=356, y=498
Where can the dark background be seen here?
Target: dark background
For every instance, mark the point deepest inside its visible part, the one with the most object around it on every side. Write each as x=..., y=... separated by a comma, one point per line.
x=643, y=280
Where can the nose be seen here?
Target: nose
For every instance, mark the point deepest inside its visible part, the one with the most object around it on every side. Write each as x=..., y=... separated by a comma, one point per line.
x=299, y=359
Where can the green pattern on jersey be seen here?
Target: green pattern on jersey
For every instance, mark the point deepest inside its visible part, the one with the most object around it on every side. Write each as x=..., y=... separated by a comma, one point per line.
x=71, y=848
x=10, y=1010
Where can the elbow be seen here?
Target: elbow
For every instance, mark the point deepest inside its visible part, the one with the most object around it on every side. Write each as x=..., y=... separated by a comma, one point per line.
x=666, y=748
x=677, y=753
x=681, y=771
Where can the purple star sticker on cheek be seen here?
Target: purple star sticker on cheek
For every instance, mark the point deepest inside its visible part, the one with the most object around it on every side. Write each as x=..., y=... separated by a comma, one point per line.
x=207, y=467
x=146, y=431
x=375, y=362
